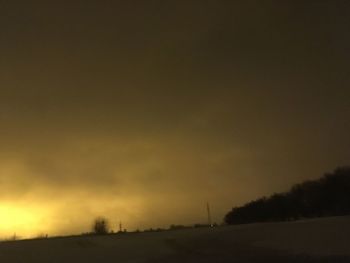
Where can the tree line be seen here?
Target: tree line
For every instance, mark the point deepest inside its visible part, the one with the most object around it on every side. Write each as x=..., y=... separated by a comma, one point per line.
x=327, y=196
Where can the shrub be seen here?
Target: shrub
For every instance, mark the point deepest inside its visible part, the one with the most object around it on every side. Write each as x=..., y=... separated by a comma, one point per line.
x=101, y=226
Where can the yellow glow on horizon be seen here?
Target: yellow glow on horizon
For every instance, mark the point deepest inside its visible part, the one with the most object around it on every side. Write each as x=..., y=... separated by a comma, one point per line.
x=21, y=220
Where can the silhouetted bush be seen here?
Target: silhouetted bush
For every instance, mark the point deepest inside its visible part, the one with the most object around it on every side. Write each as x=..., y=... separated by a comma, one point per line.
x=176, y=227
x=328, y=196
x=198, y=225
x=101, y=226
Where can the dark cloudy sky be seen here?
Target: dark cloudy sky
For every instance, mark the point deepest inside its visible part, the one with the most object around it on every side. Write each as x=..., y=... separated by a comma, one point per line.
x=142, y=111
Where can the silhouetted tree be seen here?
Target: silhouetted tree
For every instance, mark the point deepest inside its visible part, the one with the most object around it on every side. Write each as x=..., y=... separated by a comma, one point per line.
x=328, y=196
x=101, y=226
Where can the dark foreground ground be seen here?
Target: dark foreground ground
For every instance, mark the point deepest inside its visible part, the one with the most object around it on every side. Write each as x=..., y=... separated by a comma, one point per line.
x=318, y=240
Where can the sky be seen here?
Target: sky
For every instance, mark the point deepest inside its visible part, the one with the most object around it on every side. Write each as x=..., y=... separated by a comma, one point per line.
x=144, y=111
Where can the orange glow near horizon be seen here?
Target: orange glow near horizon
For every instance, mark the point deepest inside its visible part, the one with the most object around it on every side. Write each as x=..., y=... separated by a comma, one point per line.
x=33, y=217
x=21, y=220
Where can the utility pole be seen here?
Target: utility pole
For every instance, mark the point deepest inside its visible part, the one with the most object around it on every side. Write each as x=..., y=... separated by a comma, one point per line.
x=209, y=215
x=120, y=226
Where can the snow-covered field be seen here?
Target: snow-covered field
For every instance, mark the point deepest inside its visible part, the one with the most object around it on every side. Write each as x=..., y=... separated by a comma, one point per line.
x=317, y=240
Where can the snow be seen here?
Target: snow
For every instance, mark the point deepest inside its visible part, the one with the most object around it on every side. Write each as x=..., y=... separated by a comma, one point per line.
x=301, y=241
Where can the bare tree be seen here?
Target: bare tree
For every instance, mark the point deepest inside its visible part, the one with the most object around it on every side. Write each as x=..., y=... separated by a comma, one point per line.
x=100, y=226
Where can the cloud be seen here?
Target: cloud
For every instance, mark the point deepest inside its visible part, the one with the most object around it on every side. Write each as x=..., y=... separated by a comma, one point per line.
x=145, y=112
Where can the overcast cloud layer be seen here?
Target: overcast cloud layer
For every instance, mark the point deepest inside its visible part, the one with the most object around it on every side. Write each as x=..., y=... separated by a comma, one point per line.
x=142, y=111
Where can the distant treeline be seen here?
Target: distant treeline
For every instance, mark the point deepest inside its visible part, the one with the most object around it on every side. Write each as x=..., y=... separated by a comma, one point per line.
x=327, y=196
